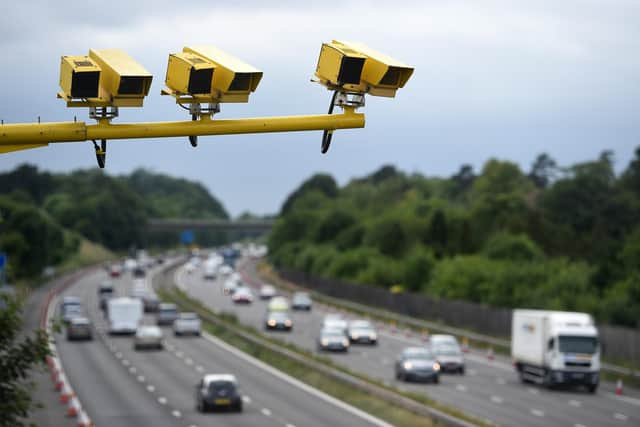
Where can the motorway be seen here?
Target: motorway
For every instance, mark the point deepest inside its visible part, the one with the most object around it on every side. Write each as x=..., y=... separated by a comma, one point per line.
x=122, y=387
x=490, y=390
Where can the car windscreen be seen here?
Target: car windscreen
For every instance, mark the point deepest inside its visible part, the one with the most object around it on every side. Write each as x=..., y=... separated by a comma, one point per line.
x=447, y=350
x=418, y=355
x=573, y=344
x=221, y=386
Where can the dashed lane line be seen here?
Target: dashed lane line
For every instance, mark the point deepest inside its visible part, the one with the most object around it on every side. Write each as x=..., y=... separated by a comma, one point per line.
x=537, y=412
x=497, y=399
x=162, y=400
x=266, y=412
x=620, y=417
x=151, y=388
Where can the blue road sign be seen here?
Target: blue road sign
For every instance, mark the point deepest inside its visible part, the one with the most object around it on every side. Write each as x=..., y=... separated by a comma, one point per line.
x=186, y=237
x=3, y=260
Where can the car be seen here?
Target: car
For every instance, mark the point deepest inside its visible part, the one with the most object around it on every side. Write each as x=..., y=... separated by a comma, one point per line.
x=267, y=291
x=115, y=270
x=417, y=363
x=225, y=270
x=71, y=307
x=190, y=268
x=218, y=391
x=148, y=336
x=332, y=340
x=278, y=304
x=139, y=271
x=105, y=287
x=362, y=332
x=151, y=303
x=79, y=328
x=448, y=353
x=187, y=323
x=130, y=264
x=335, y=321
x=139, y=289
x=301, y=301
x=279, y=320
x=242, y=295
x=167, y=314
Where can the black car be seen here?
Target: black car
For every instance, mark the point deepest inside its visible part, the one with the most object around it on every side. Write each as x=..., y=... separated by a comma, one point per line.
x=218, y=391
x=279, y=320
x=79, y=328
x=139, y=272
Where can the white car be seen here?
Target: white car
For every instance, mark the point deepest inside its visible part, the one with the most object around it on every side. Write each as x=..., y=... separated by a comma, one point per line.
x=335, y=321
x=187, y=323
x=448, y=353
x=267, y=291
x=225, y=270
x=148, y=336
x=230, y=286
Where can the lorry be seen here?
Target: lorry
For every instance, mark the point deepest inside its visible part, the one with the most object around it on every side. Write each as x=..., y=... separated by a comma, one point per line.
x=555, y=348
x=124, y=315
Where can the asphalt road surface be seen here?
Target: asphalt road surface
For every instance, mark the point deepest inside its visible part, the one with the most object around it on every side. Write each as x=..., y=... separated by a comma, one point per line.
x=490, y=390
x=122, y=387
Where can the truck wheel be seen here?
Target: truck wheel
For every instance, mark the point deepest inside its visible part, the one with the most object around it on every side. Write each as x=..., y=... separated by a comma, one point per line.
x=592, y=388
x=548, y=380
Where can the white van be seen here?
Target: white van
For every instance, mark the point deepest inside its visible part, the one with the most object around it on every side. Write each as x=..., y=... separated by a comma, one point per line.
x=124, y=315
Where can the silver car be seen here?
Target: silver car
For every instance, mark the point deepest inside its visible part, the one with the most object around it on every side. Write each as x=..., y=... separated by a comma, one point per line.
x=148, y=336
x=333, y=340
x=448, y=353
x=167, y=314
x=362, y=332
x=187, y=323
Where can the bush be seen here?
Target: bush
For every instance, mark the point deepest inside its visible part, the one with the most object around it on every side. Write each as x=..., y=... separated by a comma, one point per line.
x=506, y=246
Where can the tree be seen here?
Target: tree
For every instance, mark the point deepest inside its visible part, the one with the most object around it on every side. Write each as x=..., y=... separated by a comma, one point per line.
x=543, y=170
x=19, y=353
x=437, y=234
x=319, y=182
x=463, y=180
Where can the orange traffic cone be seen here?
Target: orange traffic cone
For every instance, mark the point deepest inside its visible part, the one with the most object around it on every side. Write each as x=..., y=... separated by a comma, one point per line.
x=490, y=354
x=66, y=393
x=619, y=387
x=84, y=420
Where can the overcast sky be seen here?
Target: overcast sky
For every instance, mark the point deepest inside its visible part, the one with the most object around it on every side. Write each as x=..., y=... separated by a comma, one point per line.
x=497, y=79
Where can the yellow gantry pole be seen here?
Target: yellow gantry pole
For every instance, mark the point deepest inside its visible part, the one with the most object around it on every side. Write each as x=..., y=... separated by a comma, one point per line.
x=31, y=135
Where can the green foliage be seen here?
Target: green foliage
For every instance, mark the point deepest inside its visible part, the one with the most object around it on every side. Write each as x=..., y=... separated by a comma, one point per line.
x=19, y=353
x=508, y=246
x=558, y=238
x=31, y=238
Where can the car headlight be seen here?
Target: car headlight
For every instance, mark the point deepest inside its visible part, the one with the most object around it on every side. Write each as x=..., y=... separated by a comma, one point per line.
x=355, y=336
x=345, y=342
x=436, y=366
x=373, y=336
x=324, y=342
x=271, y=322
x=287, y=322
x=408, y=365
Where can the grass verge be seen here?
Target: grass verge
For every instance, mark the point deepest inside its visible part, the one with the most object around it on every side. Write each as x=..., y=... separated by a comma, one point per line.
x=229, y=329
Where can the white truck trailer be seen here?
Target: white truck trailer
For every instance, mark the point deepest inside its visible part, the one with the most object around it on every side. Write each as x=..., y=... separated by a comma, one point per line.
x=555, y=347
x=124, y=315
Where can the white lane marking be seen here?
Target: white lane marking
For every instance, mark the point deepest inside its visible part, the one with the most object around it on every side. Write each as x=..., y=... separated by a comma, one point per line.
x=497, y=399
x=297, y=383
x=579, y=425
x=246, y=399
x=472, y=372
x=461, y=387
x=141, y=378
x=125, y=362
x=151, y=388
x=537, y=412
x=133, y=370
x=290, y=425
x=575, y=403
x=176, y=413
x=169, y=347
x=501, y=381
x=533, y=390
x=619, y=416
x=199, y=368
x=626, y=399
x=365, y=355
x=385, y=361
x=180, y=354
x=162, y=400
x=266, y=412
x=119, y=355
x=188, y=361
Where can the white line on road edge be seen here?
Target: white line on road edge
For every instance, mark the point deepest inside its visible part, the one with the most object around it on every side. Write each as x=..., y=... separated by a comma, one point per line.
x=297, y=383
x=162, y=400
x=579, y=425
x=537, y=412
x=575, y=403
x=625, y=399
x=176, y=413
x=266, y=411
x=151, y=388
x=497, y=399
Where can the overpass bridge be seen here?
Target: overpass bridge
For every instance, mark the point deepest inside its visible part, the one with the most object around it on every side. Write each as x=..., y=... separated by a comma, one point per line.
x=245, y=227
